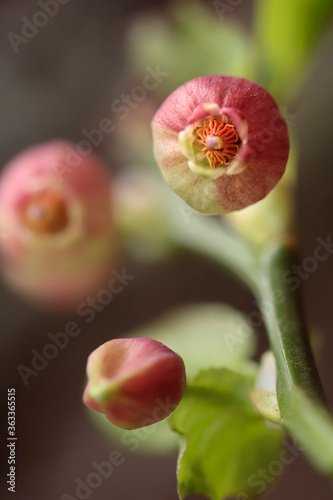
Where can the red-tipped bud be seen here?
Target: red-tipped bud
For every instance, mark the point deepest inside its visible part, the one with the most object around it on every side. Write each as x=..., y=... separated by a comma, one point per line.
x=135, y=382
x=56, y=224
x=220, y=142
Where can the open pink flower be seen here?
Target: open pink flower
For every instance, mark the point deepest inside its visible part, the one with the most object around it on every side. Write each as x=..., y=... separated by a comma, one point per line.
x=220, y=142
x=56, y=224
x=135, y=382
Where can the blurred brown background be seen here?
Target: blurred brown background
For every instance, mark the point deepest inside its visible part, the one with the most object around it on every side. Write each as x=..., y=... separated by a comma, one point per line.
x=60, y=82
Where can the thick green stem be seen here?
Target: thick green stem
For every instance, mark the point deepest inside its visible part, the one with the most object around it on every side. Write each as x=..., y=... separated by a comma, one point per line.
x=282, y=311
x=299, y=391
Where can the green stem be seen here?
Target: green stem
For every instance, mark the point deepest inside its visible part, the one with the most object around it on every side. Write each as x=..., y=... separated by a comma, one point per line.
x=299, y=391
x=287, y=331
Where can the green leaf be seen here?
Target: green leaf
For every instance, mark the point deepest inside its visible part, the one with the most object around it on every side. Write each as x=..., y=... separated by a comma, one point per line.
x=287, y=34
x=192, y=42
x=205, y=336
x=227, y=442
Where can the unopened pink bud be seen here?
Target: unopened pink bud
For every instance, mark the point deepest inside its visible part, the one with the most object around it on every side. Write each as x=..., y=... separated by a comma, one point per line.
x=56, y=224
x=135, y=382
x=220, y=142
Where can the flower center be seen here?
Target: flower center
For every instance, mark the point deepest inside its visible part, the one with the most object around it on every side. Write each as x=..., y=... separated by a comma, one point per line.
x=45, y=212
x=219, y=140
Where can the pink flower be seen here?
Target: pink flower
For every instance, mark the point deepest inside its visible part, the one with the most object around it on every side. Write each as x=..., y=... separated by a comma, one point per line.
x=135, y=382
x=56, y=224
x=220, y=142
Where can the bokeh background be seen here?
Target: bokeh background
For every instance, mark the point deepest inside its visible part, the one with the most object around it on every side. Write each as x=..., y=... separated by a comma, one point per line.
x=61, y=82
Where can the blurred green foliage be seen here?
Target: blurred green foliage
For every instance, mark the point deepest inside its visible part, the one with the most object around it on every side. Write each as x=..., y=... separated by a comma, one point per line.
x=191, y=42
x=288, y=33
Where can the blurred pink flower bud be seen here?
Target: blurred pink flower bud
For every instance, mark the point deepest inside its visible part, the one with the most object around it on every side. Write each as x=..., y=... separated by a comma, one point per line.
x=135, y=382
x=56, y=224
x=220, y=142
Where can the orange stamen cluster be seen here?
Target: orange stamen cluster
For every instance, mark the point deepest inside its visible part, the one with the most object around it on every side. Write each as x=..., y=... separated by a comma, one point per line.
x=225, y=137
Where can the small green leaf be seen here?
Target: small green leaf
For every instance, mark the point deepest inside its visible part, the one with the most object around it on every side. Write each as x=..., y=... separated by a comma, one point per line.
x=287, y=34
x=205, y=335
x=227, y=442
